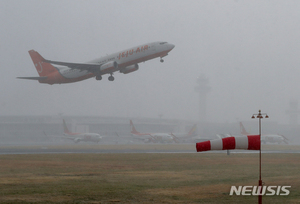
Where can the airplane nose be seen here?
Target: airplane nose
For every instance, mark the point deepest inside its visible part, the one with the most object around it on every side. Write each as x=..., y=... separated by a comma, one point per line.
x=171, y=46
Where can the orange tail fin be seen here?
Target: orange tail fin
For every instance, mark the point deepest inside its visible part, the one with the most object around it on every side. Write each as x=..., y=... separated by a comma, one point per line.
x=132, y=128
x=66, y=130
x=193, y=130
x=43, y=68
x=243, y=130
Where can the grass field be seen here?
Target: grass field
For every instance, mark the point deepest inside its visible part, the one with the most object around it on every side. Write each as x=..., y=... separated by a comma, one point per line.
x=143, y=178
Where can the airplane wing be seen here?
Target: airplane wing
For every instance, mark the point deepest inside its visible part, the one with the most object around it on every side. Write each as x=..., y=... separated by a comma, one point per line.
x=33, y=78
x=220, y=136
x=201, y=139
x=81, y=66
x=285, y=138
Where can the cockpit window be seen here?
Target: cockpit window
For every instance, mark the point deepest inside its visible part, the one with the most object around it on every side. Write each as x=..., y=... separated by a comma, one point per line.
x=162, y=43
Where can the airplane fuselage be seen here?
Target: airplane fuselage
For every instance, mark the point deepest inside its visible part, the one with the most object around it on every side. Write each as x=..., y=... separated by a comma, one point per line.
x=163, y=137
x=154, y=137
x=151, y=137
x=272, y=139
x=85, y=137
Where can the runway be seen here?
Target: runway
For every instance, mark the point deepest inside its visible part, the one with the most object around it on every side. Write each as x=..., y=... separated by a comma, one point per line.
x=134, y=148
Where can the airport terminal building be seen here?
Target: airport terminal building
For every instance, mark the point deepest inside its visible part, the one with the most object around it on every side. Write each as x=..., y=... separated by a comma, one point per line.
x=41, y=129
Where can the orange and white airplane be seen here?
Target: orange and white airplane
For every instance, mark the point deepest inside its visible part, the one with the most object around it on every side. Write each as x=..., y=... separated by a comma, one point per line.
x=187, y=137
x=152, y=137
x=125, y=61
x=270, y=138
x=78, y=137
x=265, y=138
x=191, y=136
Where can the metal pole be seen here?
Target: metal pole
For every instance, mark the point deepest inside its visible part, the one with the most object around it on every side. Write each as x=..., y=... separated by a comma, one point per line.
x=260, y=181
x=260, y=116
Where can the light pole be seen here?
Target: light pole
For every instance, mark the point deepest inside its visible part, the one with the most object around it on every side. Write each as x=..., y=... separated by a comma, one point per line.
x=260, y=116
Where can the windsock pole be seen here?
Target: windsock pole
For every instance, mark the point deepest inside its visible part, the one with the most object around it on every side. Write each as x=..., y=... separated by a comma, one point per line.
x=260, y=116
x=250, y=142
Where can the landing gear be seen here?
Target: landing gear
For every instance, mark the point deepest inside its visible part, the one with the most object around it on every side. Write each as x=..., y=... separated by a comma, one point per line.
x=111, y=78
x=161, y=60
x=98, y=77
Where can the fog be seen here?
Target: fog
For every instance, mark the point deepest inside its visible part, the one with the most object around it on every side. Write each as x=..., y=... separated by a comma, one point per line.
x=249, y=51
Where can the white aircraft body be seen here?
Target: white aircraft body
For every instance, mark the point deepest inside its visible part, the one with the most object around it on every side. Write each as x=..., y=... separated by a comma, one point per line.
x=152, y=137
x=78, y=137
x=125, y=62
x=191, y=136
x=266, y=138
x=163, y=137
x=269, y=138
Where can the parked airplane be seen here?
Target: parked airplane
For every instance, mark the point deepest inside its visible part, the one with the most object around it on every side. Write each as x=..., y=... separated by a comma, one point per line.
x=266, y=138
x=152, y=137
x=78, y=137
x=190, y=137
x=189, y=134
x=125, y=61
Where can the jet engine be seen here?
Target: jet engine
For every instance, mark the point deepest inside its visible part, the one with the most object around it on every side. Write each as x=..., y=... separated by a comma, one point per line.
x=109, y=66
x=130, y=69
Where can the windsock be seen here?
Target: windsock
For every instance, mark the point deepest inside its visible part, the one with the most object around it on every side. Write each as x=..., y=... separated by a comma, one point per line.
x=250, y=142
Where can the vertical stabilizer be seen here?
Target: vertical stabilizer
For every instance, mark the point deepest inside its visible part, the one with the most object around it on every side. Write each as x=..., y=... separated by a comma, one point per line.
x=243, y=130
x=66, y=130
x=132, y=128
x=193, y=130
x=43, y=68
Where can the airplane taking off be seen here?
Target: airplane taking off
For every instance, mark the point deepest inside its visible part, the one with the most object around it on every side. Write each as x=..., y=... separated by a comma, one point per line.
x=77, y=137
x=125, y=62
x=152, y=137
x=271, y=138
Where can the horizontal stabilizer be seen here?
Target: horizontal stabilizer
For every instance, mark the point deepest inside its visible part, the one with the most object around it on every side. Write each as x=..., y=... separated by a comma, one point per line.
x=33, y=78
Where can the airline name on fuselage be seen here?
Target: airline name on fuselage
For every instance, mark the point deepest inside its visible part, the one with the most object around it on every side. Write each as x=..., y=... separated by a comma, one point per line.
x=126, y=53
x=132, y=51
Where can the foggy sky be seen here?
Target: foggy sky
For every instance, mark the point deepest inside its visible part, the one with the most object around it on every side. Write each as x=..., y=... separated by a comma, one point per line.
x=249, y=50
